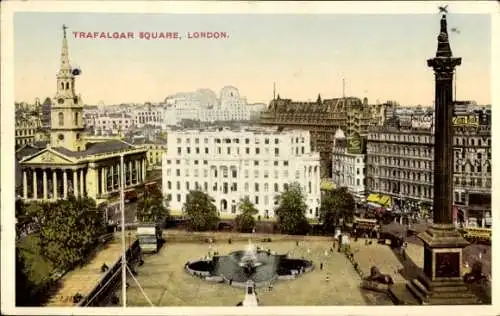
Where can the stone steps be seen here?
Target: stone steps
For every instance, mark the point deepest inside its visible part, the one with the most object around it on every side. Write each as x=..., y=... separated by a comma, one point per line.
x=443, y=293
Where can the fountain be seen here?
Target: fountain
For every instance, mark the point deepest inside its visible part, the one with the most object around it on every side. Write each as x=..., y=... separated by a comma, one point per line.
x=240, y=267
x=249, y=261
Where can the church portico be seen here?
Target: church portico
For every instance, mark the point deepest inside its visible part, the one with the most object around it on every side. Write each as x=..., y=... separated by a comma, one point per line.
x=53, y=182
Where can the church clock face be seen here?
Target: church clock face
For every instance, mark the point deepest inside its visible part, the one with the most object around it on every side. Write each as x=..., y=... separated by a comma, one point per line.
x=60, y=100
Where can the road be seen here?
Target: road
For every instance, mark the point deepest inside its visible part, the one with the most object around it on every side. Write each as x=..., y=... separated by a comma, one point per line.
x=471, y=253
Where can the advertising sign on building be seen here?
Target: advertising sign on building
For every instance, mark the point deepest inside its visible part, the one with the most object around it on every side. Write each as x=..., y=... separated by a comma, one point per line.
x=466, y=120
x=355, y=144
x=422, y=121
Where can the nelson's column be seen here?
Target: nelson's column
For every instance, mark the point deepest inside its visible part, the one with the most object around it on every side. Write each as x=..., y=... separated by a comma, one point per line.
x=441, y=282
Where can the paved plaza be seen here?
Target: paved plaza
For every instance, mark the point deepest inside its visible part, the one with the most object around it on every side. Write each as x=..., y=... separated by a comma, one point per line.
x=165, y=282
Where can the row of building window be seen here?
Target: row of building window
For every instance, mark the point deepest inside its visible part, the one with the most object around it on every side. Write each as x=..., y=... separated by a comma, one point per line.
x=397, y=162
x=465, y=141
x=227, y=187
x=397, y=149
x=256, y=174
x=228, y=151
x=25, y=132
x=246, y=163
x=237, y=140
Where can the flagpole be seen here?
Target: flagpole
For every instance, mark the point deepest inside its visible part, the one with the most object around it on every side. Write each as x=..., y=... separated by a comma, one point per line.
x=124, y=250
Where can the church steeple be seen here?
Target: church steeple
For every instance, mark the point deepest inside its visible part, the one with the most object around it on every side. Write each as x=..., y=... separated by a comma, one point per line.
x=65, y=67
x=67, y=109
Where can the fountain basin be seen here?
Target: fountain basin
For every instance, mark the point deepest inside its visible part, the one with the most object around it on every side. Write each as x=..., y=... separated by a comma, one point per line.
x=236, y=271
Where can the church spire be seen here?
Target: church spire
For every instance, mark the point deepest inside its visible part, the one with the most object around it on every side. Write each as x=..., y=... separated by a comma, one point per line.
x=65, y=68
x=444, y=48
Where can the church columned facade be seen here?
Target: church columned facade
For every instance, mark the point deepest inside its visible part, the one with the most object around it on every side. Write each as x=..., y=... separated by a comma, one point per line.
x=69, y=163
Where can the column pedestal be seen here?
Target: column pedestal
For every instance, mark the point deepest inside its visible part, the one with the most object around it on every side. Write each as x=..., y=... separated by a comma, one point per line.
x=441, y=282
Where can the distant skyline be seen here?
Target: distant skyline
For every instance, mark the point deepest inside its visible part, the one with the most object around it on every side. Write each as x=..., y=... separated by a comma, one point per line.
x=380, y=56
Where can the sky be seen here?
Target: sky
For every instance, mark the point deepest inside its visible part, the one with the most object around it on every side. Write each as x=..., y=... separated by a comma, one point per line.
x=381, y=57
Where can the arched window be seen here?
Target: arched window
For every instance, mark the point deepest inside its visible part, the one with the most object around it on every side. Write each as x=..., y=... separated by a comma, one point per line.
x=67, y=85
x=76, y=118
x=62, y=85
x=61, y=118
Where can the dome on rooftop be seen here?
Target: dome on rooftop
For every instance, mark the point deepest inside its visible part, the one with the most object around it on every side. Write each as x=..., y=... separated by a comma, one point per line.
x=339, y=134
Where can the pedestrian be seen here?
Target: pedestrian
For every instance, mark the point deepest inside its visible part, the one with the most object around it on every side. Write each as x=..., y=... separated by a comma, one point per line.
x=104, y=268
x=297, y=243
x=403, y=253
x=327, y=278
x=321, y=266
x=230, y=281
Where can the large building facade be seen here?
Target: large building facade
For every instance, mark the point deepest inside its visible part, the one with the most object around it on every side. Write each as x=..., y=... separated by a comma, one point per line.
x=69, y=163
x=232, y=164
x=400, y=164
x=322, y=119
x=204, y=106
x=348, y=164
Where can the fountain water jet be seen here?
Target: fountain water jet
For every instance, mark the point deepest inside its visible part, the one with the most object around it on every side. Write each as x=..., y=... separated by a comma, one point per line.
x=249, y=258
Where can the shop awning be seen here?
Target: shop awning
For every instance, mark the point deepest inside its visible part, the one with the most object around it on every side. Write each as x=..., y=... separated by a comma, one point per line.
x=382, y=200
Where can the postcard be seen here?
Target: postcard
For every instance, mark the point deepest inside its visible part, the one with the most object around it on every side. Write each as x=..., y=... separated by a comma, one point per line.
x=248, y=158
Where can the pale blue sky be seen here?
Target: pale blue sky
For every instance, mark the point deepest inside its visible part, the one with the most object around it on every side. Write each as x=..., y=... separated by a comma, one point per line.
x=381, y=56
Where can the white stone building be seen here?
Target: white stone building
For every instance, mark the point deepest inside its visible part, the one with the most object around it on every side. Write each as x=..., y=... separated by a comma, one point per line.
x=113, y=123
x=348, y=166
x=147, y=115
x=203, y=105
x=231, y=164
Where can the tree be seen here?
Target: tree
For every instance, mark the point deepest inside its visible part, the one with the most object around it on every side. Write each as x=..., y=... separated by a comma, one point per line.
x=291, y=211
x=153, y=207
x=337, y=204
x=201, y=211
x=26, y=216
x=245, y=221
x=69, y=230
x=24, y=286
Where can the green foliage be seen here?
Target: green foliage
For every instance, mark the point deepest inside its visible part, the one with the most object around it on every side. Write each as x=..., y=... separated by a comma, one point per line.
x=245, y=221
x=24, y=286
x=32, y=272
x=291, y=211
x=337, y=204
x=69, y=230
x=153, y=207
x=201, y=211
